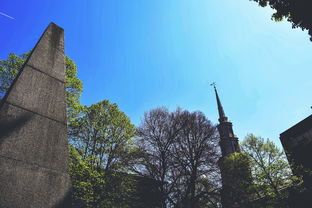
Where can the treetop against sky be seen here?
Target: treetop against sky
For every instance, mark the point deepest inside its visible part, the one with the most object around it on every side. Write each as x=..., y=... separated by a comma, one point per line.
x=145, y=54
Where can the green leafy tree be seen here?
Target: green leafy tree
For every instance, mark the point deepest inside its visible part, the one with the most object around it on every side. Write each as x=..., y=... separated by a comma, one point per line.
x=93, y=188
x=105, y=133
x=83, y=177
x=74, y=89
x=237, y=187
x=298, y=12
x=270, y=169
x=8, y=70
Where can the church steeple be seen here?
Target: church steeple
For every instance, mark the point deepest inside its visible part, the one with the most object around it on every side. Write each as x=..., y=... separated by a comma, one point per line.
x=232, y=196
x=228, y=141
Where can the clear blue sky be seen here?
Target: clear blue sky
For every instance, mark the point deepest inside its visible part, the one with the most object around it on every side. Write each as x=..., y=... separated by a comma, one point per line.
x=142, y=54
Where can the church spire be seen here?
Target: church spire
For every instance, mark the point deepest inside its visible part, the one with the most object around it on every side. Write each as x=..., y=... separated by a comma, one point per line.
x=229, y=144
x=222, y=117
x=228, y=141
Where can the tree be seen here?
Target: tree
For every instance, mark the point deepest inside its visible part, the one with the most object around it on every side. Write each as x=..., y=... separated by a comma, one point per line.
x=237, y=188
x=105, y=133
x=178, y=150
x=157, y=133
x=195, y=152
x=270, y=170
x=103, y=136
x=93, y=188
x=83, y=177
x=297, y=12
x=74, y=88
x=8, y=70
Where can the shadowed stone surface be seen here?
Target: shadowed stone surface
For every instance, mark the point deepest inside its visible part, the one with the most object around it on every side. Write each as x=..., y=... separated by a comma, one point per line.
x=47, y=146
x=30, y=185
x=33, y=134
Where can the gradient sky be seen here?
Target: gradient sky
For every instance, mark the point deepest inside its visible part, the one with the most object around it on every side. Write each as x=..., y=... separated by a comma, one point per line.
x=142, y=54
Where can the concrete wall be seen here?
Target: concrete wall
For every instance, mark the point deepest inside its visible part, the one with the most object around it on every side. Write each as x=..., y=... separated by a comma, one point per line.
x=33, y=135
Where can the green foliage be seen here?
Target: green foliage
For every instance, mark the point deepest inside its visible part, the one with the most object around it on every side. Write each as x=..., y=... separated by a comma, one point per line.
x=83, y=176
x=8, y=70
x=105, y=133
x=97, y=188
x=298, y=12
x=237, y=181
x=73, y=89
x=237, y=162
x=273, y=182
x=270, y=169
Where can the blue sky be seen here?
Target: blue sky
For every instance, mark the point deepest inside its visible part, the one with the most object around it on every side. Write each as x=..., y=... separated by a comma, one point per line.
x=142, y=54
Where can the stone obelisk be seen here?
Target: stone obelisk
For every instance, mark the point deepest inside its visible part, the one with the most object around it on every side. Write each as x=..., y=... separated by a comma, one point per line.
x=33, y=134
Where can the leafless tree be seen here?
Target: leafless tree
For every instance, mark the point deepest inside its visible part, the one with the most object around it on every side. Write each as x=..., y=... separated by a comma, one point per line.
x=196, y=152
x=179, y=149
x=158, y=132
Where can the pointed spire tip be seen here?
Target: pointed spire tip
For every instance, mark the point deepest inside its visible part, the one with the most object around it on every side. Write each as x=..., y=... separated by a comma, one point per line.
x=222, y=117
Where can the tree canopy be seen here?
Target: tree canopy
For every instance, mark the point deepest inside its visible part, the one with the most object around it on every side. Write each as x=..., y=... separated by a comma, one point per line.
x=298, y=12
x=271, y=172
x=179, y=150
x=237, y=188
x=105, y=133
x=93, y=187
x=8, y=70
x=270, y=168
x=102, y=139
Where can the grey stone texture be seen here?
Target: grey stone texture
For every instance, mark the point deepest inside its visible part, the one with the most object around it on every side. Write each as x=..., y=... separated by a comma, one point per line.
x=37, y=92
x=33, y=132
x=52, y=48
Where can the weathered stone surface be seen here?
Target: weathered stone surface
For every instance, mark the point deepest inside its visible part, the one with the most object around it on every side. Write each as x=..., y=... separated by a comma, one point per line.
x=32, y=185
x=33, y=134
x=51, y=50
x=37, y=92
